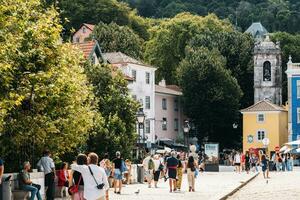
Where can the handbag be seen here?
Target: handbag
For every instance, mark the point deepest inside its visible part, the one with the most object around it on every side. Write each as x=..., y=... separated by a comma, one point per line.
x=98, y=186
x=74, y=188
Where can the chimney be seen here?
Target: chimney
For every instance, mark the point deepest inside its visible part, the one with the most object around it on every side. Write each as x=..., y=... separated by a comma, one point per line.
x=162, y=83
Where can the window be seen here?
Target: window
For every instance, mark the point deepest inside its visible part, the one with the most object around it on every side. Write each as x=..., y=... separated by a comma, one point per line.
x=164, y=104
x=176, y=125
x=83, y=30
x=147, y=126
x=176, y=104
x=77, y=39
x=147, y=78
x=147, y=102
x=141, y=102
x=133, y=73
x=261, y=135
x=298, y=89
x=298, y=115
x=267, y=71
x=164, y=124
x=260, y=117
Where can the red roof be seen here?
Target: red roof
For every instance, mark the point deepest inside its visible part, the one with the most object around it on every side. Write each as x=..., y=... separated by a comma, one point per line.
x=86, y=47
x=90, y=26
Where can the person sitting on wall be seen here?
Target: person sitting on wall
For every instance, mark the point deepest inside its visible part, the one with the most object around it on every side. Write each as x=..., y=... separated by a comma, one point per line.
x=27, y=184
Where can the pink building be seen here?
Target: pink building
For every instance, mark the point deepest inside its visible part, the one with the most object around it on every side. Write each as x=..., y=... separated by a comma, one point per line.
x=169, y=116
x=83, y=33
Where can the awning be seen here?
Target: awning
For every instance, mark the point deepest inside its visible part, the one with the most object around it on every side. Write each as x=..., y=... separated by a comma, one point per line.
x=296, y=142
x=283, y=148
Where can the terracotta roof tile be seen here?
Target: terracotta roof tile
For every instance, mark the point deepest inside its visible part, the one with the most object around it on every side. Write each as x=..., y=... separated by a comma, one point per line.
x=86, y=47
x=263, y=105
x=166, y=90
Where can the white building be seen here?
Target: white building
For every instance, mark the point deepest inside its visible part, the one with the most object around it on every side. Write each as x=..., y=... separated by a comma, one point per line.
x=142, y=86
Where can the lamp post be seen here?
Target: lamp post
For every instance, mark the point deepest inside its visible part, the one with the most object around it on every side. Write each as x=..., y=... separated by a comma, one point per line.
x=140, y=117
x=266, y=143
x=186, y=129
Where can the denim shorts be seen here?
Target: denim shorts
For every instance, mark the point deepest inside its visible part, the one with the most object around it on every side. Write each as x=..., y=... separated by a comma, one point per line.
x=118, y=174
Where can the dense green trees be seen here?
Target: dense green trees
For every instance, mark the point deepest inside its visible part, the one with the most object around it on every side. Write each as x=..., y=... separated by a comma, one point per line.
x=45, y=98
x=117, y=109
x=210, y=94
x=276, y=15
x=114, y=38
x=76, y=12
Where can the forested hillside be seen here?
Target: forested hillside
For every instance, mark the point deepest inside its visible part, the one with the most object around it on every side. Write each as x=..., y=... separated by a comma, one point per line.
x=276, y=15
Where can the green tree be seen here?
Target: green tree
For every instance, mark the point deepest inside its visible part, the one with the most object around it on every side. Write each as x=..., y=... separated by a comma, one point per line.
x=114, y=38
x=117, y=109
x=45, y=98
x=94, y=11
x=211, y=95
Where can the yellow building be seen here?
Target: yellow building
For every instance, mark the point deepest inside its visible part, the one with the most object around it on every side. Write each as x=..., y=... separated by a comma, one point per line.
x=264, y=120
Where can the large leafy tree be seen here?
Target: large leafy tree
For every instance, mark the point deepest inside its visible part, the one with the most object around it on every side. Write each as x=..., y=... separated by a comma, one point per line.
x=211, y=95
x=114, y=38
x=117, y=109
x=76, y=12
x=45, y=98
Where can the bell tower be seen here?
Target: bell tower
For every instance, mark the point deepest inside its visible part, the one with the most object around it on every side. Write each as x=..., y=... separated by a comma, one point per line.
x=267, y=71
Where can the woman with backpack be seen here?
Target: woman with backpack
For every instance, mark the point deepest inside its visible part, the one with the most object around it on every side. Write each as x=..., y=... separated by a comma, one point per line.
x=191, y=168
x=149, y=166
x=158, y=167
x=179, y=173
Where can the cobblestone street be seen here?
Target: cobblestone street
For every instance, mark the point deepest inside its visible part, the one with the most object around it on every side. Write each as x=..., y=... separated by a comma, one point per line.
x=209, y=186
x=282, y=185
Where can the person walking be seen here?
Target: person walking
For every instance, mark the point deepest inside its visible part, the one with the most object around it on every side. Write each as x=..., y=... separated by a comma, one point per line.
x=157, y=169
x=179, y=173
x=94, y=177
x=27, y=184
x=47, y=165
x=107, y=166
x=118, y=163
x=172, y=164
x=265, y=166
x=191, y=169
x=76, y=178
x=237, y=162
x=149, y=168
x=278, y=160
x=247, y=162
x=63, y=179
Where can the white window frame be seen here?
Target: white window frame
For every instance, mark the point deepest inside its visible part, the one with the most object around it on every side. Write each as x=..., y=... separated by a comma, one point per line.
x=258, y=119
x=147, y=77
x=298, y=88
x=164, y=124
x=257, y=134
x=133, y=73
x=147, y=102
x=164, y=106
x=298, y=115
x=147, y=126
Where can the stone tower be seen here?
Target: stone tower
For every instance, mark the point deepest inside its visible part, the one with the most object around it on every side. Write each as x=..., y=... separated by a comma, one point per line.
x=267, y=71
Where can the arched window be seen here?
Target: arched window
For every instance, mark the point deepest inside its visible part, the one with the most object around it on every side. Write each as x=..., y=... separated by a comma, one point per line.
x=267, y=71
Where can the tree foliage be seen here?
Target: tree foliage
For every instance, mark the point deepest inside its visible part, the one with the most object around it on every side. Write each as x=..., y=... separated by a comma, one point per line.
x=45, y=98
x=276, y=15
x=117, y=109
x=114, y=38
x=76, y=12
x=211, y=95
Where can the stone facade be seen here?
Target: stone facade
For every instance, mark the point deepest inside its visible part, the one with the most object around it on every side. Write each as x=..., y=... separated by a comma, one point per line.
x=267, y=72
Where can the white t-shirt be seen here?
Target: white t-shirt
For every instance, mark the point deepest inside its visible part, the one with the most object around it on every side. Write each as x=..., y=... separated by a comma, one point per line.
x=91, y=192
x=237, y=158
x=156, y=164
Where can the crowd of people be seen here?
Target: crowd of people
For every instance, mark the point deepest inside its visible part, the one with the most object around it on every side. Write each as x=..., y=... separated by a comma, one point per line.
x=252, y=161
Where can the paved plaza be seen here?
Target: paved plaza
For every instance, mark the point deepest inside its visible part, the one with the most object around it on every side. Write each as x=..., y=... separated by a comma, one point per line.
x=281, y=185
x=209, y=186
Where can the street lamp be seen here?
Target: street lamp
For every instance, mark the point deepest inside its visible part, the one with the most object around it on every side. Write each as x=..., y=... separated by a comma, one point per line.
x=266, y=143
x=140, y=117
x=186, y=129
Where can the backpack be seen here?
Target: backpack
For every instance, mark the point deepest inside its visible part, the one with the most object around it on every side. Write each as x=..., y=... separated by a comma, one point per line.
x=151, y=164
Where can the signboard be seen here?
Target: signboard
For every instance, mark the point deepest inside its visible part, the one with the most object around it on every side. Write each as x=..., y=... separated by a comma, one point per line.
x=250, y=139
x=212, y=152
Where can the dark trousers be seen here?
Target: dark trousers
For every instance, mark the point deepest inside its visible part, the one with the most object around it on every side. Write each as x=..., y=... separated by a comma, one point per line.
x=49, y=183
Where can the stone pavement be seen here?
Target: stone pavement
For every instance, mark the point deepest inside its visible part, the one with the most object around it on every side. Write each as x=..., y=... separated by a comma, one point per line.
x=281, y=185
x=209, y=186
